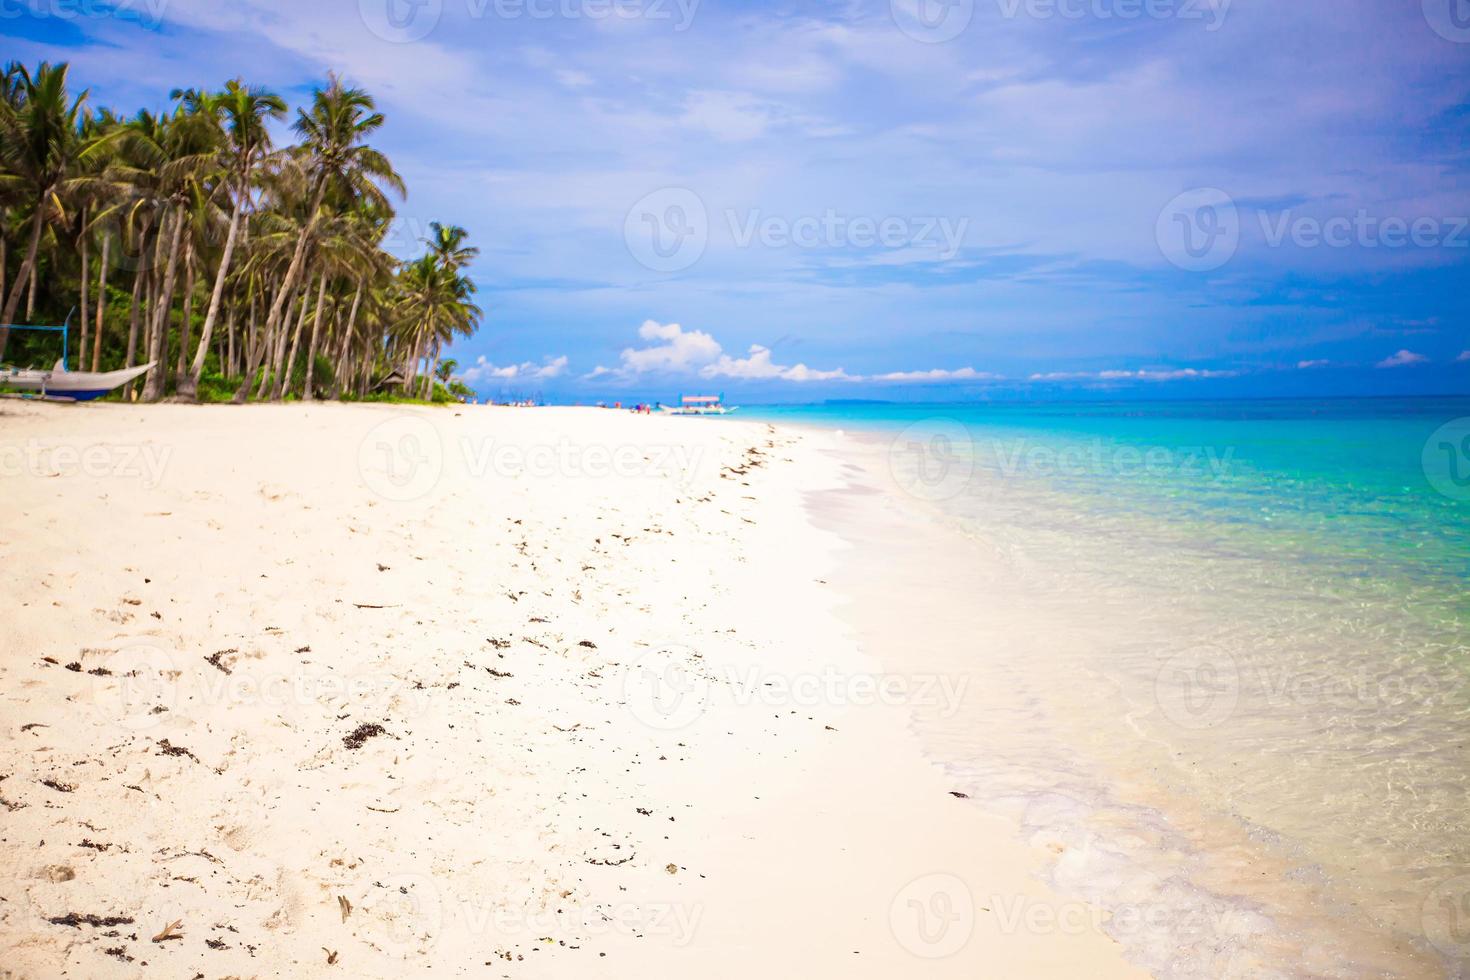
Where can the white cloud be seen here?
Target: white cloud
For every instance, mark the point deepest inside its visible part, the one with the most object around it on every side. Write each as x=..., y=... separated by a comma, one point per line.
x=759, y=366
x=1307, y=365
x=1403, y=358
x=940, y=374
x=1464, y=356
x=730, y=116
x=680, y=350
x=483, y=370
x=572, y=78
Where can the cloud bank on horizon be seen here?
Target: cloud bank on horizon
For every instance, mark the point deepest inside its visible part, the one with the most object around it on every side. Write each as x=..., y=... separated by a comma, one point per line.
x=906, y=198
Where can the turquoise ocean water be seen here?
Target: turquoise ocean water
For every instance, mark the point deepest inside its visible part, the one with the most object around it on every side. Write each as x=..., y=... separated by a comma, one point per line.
x=1246, y=678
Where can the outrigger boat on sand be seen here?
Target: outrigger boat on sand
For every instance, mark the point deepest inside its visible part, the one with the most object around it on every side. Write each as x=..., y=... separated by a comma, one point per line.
x=699, y=405
x=59, y=384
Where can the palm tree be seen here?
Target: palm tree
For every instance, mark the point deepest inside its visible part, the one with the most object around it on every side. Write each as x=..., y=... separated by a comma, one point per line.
x=41, y=141
x=434, y=306
x=447, y=244
x=242, y=113
x=291, y=241
x=168, y=167
x=335, y=160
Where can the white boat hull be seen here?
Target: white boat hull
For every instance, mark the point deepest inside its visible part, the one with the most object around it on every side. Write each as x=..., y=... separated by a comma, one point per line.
x=78, y=386
x=721, y=410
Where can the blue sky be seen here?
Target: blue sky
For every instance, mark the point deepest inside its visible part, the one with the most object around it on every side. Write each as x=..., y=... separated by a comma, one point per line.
x=915, y=199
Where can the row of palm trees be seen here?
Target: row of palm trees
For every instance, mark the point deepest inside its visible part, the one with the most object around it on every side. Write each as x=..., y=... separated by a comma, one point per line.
x=190, y=240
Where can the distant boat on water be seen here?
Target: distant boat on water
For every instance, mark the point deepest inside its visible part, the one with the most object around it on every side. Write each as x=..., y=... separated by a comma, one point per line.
x=63, y=385
x=699, y=405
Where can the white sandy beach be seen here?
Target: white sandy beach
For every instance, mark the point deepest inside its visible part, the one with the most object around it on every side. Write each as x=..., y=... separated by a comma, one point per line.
x=608, y=719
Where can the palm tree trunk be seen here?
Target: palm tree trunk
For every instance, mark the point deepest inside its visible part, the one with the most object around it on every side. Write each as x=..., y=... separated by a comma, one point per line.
x=294, y=269
x=31, y=296
x=153, y=388
x=282, y=343
x=189, y=386
x=342, y=348
x=284, y=383
x=230, y=344
x=186, y=327
x=272, y=345
x=86, y=283
x=413, y=367
x=101, y=301
x=133, y=315
x=433, y=368
x=281, y=339
x=318, y=330
x=255, y=341
x=13, y=303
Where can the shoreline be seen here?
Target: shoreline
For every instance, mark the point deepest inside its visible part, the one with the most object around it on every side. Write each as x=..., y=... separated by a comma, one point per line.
x=429, y=703
x=1187, y=888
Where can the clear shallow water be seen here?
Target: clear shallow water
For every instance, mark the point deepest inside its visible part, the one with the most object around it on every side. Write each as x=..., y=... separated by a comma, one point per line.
x=1224, y=662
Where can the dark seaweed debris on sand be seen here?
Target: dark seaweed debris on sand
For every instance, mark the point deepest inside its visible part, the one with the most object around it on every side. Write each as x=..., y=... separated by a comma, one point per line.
x=214, y=660
x=167, y=748
x=361, y=734
x=76, y=920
